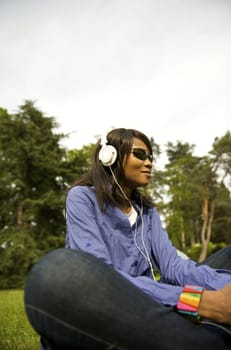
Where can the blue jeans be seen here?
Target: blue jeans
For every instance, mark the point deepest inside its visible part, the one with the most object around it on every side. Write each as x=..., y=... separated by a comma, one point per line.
x=76, y=301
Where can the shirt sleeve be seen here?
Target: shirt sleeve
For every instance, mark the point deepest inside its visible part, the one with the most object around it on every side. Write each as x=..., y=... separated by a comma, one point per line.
x=82, y=231
x=85, y=235
x=178, y=271
x=163, y=293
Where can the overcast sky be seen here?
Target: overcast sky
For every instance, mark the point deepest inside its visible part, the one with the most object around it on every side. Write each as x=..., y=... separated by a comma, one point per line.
x=160, y=66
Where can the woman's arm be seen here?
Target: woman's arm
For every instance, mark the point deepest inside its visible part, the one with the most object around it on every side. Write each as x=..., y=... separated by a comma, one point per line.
x=178, y=271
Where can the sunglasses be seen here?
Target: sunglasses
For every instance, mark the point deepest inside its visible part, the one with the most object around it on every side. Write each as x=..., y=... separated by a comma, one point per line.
x=142, y=154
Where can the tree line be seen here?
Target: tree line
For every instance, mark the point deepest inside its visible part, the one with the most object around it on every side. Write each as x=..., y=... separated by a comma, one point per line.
x=192, y=193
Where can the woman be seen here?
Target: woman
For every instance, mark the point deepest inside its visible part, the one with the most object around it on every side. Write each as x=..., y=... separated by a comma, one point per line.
x=101, y=292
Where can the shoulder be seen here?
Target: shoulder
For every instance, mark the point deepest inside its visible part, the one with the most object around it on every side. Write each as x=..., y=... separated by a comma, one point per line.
x=153, y=215
x=81, y=192
x=151, y=211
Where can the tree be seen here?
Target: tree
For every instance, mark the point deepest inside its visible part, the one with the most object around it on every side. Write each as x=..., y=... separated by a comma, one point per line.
x=32, y=189
x=215, y=190
x=198, y=197
x=180, y=193
x=76, y=163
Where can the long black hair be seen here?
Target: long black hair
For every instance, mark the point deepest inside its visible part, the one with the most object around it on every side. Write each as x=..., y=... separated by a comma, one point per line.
x=99, y=176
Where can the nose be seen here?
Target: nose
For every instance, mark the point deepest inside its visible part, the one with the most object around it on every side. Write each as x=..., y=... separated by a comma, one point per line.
x=148, y=164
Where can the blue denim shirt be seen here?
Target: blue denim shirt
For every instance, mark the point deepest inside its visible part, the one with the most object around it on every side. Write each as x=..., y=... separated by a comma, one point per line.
x=110, y=236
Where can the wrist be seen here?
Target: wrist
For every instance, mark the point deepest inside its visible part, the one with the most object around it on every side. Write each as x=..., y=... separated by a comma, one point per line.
x=189, y=302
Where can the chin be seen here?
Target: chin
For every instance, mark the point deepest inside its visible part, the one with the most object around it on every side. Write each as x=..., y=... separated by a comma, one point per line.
x=143, y=184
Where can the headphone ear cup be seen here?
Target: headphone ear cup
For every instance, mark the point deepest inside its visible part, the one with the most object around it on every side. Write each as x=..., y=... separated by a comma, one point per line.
x=108, y=155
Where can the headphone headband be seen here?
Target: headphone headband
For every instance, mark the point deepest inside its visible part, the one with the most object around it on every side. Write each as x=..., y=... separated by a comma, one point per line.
x=103, y=140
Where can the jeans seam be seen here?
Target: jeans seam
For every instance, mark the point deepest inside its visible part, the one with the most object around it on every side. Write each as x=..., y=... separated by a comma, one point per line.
x=67, y=325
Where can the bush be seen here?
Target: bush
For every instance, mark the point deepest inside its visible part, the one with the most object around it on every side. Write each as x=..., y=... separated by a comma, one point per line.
x=194, y=252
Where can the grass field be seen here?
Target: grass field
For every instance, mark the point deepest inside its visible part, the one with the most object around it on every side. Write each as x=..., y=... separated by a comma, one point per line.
x=15, y=330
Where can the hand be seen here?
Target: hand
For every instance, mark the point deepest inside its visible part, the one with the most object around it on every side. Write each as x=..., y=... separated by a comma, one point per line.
x=216, y=305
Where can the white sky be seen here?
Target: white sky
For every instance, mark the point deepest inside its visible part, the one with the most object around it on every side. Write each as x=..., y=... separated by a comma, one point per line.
x=160, y=66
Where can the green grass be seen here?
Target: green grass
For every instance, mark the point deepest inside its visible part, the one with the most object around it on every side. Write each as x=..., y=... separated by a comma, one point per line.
x=16, y=332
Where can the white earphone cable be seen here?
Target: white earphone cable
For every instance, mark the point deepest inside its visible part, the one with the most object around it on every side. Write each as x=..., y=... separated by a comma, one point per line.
x=117, y=183
x=145, y=253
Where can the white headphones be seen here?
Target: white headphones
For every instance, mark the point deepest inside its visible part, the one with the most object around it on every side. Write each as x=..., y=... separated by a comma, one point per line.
x=107, y=153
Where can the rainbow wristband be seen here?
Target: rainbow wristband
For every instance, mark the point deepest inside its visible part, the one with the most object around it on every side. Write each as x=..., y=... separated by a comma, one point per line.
x=189, y=302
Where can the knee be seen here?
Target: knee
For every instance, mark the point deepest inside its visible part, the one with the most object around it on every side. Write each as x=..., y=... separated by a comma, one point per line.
x=55, y=272
x=41, y=278
x=51, y=274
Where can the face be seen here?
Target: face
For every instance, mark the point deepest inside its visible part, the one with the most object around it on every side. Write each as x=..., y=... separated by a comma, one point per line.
x=137, y=171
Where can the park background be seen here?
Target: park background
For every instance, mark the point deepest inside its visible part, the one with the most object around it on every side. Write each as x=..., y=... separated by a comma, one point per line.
x=192, y=194
x=71, y=71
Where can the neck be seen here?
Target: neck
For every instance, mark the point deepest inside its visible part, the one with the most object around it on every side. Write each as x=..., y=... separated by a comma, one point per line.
x=127, y=209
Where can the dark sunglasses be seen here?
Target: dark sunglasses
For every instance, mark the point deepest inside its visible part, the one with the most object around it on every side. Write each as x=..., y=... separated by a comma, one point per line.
x=142, y=154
